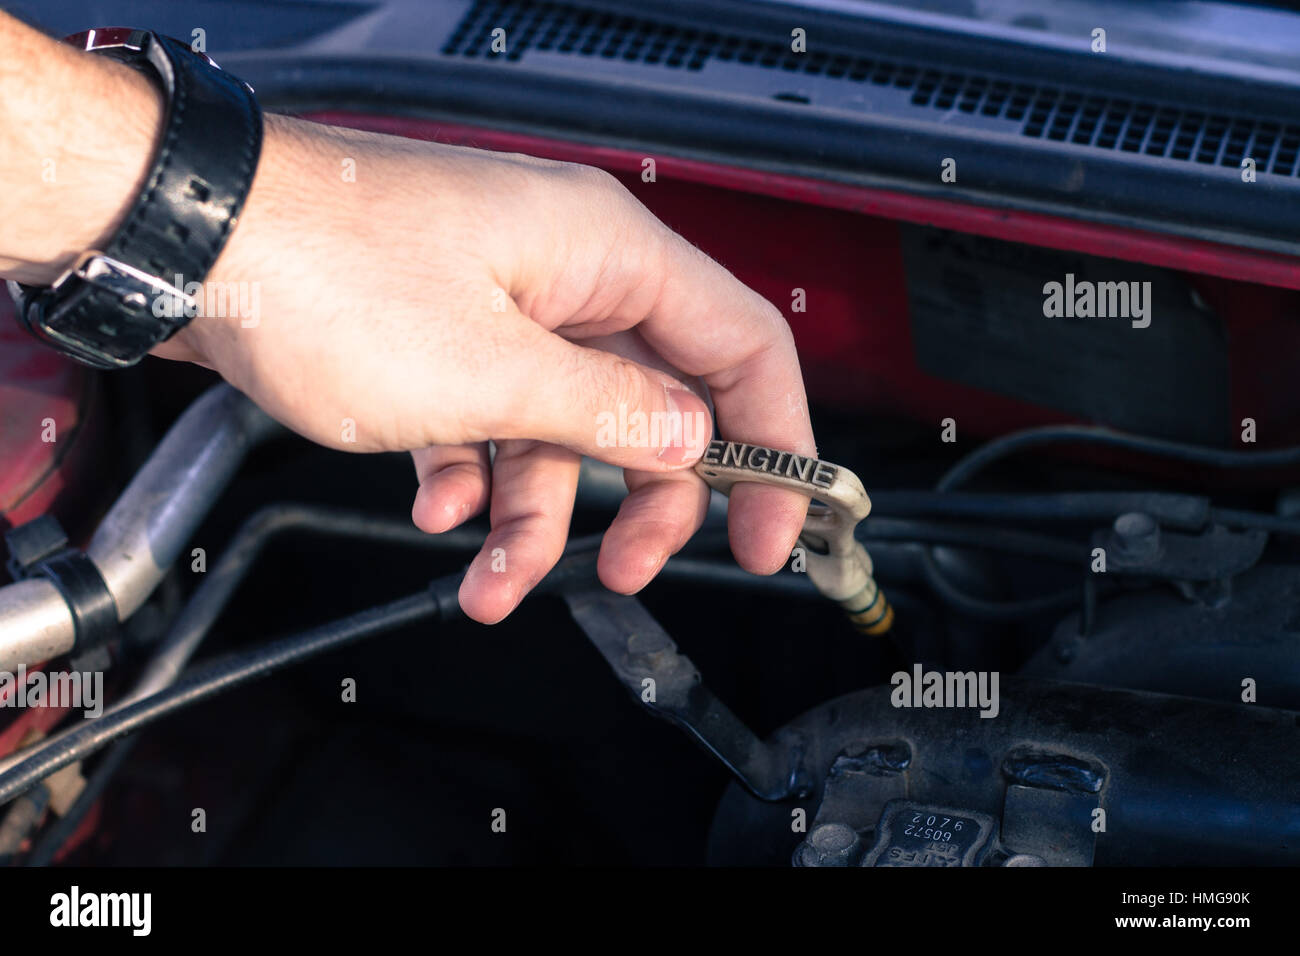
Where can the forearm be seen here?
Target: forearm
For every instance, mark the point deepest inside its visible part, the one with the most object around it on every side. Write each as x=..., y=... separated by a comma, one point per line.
x=77, y=135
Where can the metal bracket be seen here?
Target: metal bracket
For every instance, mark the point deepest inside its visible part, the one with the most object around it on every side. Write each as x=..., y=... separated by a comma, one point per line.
x=647, y=662
x=40, y=548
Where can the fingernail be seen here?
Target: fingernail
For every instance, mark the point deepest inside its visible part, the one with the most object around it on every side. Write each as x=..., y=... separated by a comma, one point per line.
x=689, y=426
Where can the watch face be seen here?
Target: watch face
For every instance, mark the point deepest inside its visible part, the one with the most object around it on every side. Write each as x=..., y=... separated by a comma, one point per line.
x=108, y=38
x=130, y=39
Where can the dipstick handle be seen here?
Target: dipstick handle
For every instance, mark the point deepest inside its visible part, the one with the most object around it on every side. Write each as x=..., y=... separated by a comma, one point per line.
x=838, y=564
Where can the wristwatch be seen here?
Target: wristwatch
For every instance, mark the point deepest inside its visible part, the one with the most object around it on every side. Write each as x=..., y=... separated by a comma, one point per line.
x=115, y=304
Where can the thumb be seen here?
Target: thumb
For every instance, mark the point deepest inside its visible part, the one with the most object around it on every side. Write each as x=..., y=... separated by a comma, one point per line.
x=609, y=407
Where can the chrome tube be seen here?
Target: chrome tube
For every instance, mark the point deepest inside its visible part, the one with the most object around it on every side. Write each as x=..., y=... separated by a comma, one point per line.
x=146, y=530
x=35, y=624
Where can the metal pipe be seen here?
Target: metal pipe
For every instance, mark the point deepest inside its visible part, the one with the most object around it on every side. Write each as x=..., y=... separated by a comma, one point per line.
x=147, y=528
x=164, y=504
x=35, y=623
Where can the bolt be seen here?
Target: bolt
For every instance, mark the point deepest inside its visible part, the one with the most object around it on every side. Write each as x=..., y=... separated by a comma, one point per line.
x=1137, y=535
x=830, y=844
x=650, y=643
x=648, y=651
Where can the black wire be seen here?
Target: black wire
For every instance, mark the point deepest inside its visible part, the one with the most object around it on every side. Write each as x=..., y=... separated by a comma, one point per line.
x=982, y=457
x=986, y=610
x=1172, y=510
x=972, y=536
x=1274, y=524
x=221, y=675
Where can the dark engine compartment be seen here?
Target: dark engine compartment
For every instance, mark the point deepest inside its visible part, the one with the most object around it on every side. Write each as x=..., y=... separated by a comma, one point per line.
x=453, y=721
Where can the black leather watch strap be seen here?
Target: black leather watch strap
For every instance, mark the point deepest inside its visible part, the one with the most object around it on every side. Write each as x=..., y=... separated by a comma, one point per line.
x=117, y=303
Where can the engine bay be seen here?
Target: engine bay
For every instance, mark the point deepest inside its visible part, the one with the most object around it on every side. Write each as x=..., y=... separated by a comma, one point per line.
x=1066, y=391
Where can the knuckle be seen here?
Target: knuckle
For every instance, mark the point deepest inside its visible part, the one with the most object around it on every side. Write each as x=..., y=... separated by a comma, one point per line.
x=593, y=177
x=603, y=190
x=620, y=381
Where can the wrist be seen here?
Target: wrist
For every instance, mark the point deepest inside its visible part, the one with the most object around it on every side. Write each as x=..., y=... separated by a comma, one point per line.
x=274, y=208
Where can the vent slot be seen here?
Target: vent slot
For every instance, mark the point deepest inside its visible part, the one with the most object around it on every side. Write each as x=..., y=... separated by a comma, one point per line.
x=1045, y=112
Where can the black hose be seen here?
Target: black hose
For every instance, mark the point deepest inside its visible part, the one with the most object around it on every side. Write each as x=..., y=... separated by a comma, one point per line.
x=705, y=573
x=221, y=675
x=971, y=536
x=1274, y=524
x=985, y=455
x=986, y=610
x=1172, y=510
x=222, y=581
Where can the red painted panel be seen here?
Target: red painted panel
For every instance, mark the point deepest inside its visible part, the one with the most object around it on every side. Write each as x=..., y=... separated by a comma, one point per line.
x=37, y=386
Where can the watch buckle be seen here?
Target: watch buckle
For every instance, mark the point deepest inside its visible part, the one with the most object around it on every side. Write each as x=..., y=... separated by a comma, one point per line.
x=134, y=287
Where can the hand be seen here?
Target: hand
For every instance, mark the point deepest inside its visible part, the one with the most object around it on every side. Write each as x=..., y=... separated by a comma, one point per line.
x=448, y=297
x=451, y=296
